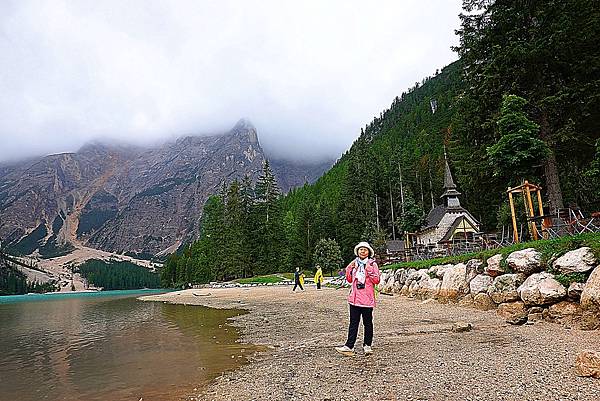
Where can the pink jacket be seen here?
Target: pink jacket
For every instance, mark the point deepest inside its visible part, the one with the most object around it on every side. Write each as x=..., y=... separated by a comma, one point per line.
x=364, y=297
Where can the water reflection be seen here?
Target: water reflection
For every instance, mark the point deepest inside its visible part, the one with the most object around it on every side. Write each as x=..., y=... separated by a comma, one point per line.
x=112, y=348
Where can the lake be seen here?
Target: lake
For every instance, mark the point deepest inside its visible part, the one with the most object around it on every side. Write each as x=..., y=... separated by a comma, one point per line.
x=110, y=346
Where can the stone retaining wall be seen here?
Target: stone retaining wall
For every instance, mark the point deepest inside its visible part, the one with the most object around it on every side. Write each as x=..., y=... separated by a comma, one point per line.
x=516, y=287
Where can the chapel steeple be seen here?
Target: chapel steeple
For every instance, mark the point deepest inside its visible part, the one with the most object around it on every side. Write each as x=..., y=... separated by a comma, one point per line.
x=450, y=195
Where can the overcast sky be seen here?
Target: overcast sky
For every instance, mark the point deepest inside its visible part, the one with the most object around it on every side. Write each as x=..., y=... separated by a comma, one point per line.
x=307, y=74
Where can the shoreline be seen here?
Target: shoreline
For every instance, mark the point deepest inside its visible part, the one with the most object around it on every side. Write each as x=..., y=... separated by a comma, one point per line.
x=417, y=356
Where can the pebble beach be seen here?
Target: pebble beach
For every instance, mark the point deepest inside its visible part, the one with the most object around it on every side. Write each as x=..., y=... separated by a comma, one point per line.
x=418, y=353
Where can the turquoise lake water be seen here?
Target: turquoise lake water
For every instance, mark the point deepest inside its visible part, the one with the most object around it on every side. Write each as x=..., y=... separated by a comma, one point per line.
x=111, y=346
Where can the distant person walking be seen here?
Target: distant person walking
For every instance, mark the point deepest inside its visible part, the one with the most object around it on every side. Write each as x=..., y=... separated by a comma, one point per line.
x=363, y=274
x=319, y=277
x=298, y=279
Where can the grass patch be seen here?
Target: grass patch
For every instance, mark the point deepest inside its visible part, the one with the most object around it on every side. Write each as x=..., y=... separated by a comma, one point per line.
x=567, y=279
x=271, y=278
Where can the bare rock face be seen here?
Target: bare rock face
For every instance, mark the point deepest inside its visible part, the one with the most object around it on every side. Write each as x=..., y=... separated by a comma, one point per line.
x=541, y=289
x=493, y=267
x=526, y=261
x=587, y=364
x=577, y=261
x=144, y=201
x=504, y=288
x=590, y=301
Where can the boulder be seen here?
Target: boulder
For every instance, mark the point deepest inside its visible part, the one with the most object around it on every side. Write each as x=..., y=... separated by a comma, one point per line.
x=460, y=327
x=575, y=290
x=493, y=267
x=404, y=290
x=513, y=312
x=483, y=301
x=411, y=274
x=590, y=301
x=414, y=289
x=480, y=283
x=466, y=301
x=526, y=261
x=389, y=283
x=433, y=270
x=541, y=289
x=442, y=270
x=535, y=314
x=564, y=310
x=534, y=317
x=416, y=286
x=587, y=364
x=504, y=288
x=577, y=261
x=473, y=268
x=429, y=288
x=383, y=276
x=400, y=277
x=454, y=285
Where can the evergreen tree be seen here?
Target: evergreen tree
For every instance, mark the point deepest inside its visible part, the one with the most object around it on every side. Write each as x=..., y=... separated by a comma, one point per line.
x=234, y=240
x=328, y=255
x=268, y=220
x=413, y=217
x=518, y=151
x=248, y=226
x=212, y=237
x=357, y=212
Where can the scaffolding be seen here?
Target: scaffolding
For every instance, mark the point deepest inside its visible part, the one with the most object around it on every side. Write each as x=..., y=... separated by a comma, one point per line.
x=526, y=189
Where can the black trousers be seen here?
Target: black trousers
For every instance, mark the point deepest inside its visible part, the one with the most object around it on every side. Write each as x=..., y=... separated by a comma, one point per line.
x=367, y=316
x=296, y=285
x=318, y=285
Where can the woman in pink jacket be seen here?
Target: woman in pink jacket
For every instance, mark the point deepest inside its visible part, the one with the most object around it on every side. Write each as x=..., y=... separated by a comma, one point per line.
x=363, y=274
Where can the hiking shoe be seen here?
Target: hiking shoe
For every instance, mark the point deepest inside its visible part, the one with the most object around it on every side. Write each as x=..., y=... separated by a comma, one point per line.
x=345, y=350
x=368, y=350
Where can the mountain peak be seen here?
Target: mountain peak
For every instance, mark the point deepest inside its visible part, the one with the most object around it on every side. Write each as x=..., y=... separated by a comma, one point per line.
x=245, y=127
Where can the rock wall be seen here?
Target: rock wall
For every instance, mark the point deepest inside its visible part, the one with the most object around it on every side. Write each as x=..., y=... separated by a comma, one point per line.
x=517, y=287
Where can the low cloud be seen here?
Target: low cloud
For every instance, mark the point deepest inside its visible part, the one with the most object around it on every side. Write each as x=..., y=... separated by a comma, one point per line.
x=307, y=74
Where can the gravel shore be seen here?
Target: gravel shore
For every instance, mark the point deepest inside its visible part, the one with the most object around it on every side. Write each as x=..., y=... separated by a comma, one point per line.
x=416, y=356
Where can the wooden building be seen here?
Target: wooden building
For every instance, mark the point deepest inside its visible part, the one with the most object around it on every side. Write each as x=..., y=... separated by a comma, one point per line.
x=448, y=222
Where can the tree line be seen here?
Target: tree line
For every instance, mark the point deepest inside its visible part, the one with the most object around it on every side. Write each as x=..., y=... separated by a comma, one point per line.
x=14, y=282
x=117, y=275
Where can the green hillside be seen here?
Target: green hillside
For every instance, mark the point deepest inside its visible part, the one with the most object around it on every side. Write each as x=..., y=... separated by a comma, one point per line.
x=521, y=103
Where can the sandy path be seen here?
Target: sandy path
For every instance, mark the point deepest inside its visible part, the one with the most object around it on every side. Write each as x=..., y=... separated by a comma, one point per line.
x=417, y=356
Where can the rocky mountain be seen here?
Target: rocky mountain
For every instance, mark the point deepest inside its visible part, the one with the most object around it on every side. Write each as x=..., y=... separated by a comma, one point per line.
x=126, y=199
